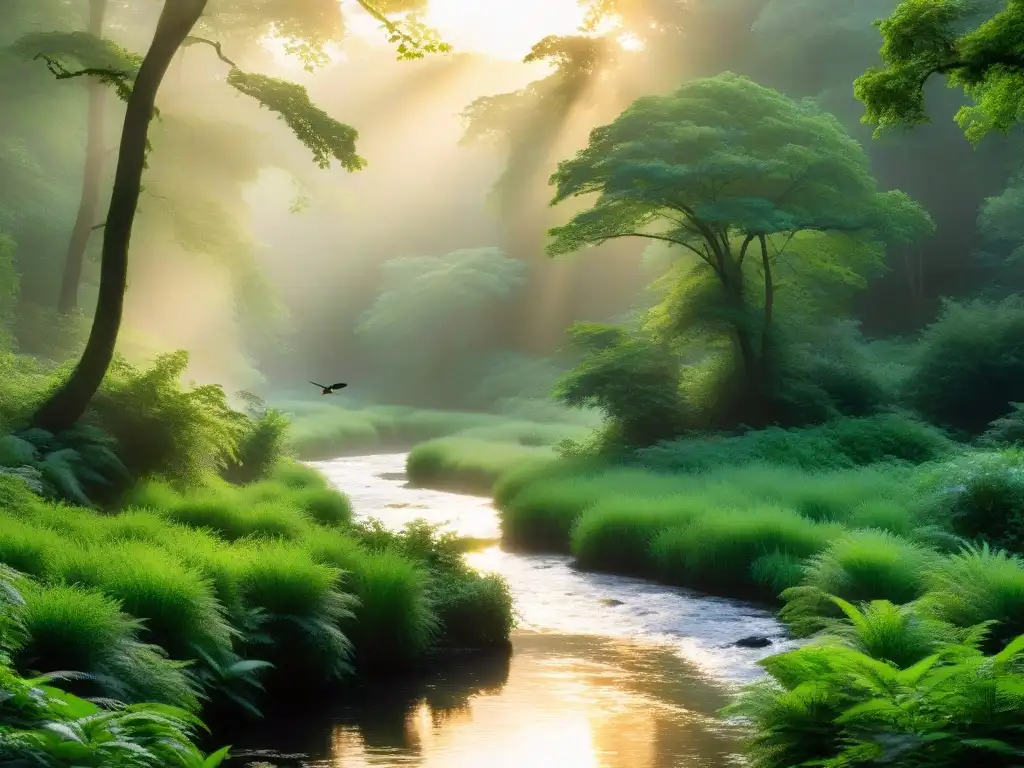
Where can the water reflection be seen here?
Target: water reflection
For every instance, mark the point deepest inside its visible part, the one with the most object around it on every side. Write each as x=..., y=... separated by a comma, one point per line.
x=566, y=701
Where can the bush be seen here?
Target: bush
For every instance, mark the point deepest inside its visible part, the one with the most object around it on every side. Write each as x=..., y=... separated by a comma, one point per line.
x=979, y=585
x=43, y=725
x=395, y=626
x=982, y=497
x=886, y=690
x=633, y=379
x=261, y=444
x=70, y=628
x=162, y=429
x=841, y=444
x=968, y=367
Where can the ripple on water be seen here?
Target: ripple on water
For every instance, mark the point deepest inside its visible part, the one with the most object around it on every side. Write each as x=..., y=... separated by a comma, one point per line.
x=552, y=597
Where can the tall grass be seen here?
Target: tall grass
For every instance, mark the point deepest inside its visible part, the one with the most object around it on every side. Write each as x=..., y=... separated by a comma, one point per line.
x=325, y=431
x=467, y=464
x=187, y=594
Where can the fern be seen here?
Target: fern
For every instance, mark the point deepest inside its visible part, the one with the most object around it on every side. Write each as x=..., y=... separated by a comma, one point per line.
x=888, y=685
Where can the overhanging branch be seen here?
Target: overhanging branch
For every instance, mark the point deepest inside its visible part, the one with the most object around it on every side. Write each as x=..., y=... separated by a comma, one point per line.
x=192, y=40
x=61, y=72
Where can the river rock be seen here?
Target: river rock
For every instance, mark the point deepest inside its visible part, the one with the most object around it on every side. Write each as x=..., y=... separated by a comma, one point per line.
x=754, y=641
x=611, y=602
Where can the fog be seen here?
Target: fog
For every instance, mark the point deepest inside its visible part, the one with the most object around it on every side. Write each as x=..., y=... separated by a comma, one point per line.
x=264, y=266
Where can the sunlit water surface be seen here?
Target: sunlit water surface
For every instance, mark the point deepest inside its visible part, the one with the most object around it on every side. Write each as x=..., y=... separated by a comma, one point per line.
x=607, y=672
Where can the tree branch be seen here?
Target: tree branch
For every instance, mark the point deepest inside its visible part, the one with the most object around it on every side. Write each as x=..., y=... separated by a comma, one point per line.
x=703, y=257
x=192, y=40
x=61, y=72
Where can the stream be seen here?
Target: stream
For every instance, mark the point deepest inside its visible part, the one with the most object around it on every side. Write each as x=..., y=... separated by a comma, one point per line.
x=606, y=672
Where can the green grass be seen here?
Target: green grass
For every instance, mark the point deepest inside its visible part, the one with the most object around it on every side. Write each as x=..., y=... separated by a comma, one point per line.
x=467, y=464
x=221, y=576
x=325, y=431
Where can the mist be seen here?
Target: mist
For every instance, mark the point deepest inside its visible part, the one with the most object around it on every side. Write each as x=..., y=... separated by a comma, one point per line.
x=261, y=264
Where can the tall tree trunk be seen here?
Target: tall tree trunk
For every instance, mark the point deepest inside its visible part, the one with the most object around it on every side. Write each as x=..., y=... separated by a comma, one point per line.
x=91, y=176
x=67, y=405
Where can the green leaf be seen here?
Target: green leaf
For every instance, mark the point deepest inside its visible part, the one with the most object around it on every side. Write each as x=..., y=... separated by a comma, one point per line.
x=324, y=136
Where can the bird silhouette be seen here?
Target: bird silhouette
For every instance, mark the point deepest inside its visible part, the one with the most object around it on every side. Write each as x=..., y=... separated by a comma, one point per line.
x=329, y=390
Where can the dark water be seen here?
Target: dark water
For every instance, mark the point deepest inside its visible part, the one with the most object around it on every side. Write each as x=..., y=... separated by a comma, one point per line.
x=607, y=672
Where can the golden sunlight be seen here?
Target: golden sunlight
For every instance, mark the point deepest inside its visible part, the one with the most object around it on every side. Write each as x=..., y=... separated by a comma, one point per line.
x=504, y=29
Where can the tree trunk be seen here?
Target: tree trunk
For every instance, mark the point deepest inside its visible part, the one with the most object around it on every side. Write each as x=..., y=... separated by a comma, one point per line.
x=67, y=405
x=67, y=301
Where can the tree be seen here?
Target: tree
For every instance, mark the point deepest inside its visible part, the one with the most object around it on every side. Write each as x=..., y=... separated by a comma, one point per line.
x=326, y=138
x=526, y=124
x=923, y=38
x=91, y=52
x=632, y=378
x=432, y=319
x=726, y=169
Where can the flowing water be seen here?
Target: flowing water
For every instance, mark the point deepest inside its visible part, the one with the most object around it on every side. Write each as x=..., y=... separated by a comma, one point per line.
x=607, y=672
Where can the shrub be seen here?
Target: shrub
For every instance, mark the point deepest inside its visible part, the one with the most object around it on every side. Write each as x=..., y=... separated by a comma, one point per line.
x=982, y=497
x=300, y=609
x=473, y=612
x=162, y=429
x=233, y=517
x=841, y=444
x=262, y=443
x=979, y=585
x=395, y=625
x=831, y=704
x=181, y=611
x=616, y=534
x=633, y=379
x=70, y=628
x=968, y=367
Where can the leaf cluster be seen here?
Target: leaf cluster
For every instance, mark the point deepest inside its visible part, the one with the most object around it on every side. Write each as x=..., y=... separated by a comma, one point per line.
x=983, y=56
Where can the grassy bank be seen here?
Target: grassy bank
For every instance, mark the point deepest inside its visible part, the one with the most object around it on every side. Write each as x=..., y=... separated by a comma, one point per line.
x=322, y=431
x=231, y=580
x=167, y=551
x=858, y=530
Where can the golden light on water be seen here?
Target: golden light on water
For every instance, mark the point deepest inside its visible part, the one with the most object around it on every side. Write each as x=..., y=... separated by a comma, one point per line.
x=566, y=711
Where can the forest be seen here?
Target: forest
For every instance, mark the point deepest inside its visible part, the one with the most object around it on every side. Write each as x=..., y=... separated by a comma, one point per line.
x=717, y=294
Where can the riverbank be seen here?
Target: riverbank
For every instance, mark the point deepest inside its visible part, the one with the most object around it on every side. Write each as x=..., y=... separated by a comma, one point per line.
x=595, y=656
x=250, y=594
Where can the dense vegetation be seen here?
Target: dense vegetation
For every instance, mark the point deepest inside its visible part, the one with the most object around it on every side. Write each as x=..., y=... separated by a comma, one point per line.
x=747, y=426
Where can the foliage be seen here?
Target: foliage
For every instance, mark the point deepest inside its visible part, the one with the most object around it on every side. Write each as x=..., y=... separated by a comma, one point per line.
x=324, y=136
x=41, y=725
x=261, y=444
x=928, y=37
x=466, y=464
x=999, y=221
x=840, y=444
x=80, y=465
x=725, y=170
x=96, y=57
x=1007, y=430
x=229, y=578
x=969, y=367
x=634, y=380
x=983, y=498
x=417, y=296
x=163, y=429
x=860, y=698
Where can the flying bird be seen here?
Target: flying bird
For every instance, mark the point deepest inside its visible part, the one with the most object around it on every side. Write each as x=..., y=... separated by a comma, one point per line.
x=329, y=390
